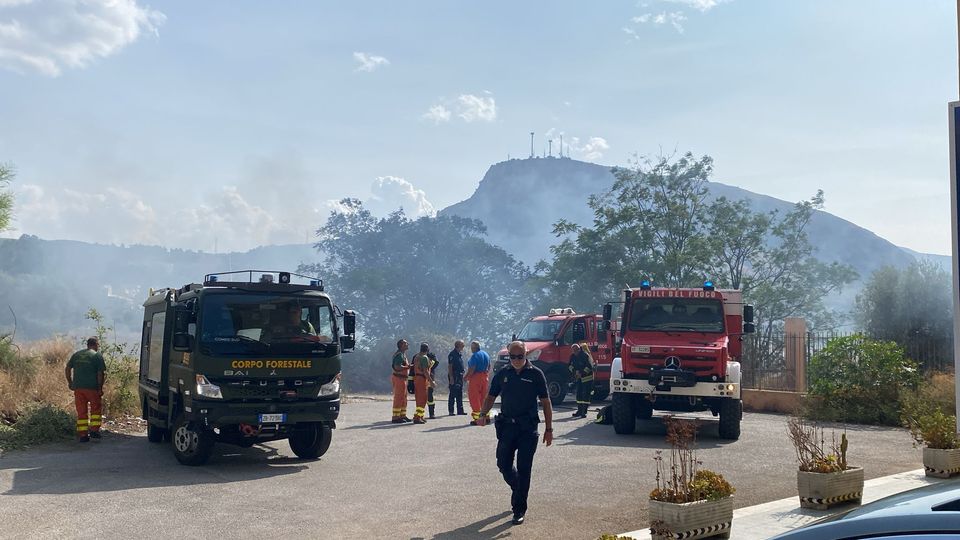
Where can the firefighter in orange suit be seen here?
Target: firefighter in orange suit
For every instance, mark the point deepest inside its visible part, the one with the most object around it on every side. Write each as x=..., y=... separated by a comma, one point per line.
x=477, y=377
x=399, y=382
x=422, y=380
x=85, y=373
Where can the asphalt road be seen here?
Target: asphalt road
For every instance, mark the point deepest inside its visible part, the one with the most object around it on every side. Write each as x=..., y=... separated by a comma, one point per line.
x=381, y=480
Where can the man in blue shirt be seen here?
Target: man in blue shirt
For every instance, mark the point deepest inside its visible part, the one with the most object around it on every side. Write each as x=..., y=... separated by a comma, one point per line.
x=455, y=371
x=478, y=369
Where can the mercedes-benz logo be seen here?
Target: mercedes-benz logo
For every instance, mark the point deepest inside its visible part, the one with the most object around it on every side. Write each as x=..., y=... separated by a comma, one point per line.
x=672, y=362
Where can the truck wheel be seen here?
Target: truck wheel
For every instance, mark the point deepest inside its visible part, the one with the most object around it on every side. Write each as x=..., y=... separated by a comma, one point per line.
x=311, y=442
x=191, y=445
x=557, y=382
x=731, y=411
x=624, y=413
x=600, y=392
x=155, y=434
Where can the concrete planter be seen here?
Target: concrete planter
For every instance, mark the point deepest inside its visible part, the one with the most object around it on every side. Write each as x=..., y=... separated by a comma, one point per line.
x=941, y=463
x=823, y=490
x=700, y=519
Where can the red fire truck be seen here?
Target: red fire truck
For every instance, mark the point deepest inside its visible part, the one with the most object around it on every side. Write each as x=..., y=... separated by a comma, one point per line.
x=679, y=351
x=548, y=339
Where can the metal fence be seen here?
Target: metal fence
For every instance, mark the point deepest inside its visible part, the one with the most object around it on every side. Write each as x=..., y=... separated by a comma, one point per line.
x=769, y=359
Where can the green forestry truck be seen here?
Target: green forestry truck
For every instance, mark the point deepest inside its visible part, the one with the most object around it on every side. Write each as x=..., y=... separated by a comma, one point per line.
x=243, y=358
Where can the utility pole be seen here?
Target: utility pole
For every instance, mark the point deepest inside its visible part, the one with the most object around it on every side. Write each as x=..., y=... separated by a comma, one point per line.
x=953, y=122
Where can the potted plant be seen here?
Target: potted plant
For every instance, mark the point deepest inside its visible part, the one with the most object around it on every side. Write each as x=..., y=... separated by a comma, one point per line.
x=824, y=478
x=937, y=432
x=689, y=501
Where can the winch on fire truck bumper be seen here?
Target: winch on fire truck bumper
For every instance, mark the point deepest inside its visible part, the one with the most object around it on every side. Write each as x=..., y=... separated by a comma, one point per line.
x=719, y=389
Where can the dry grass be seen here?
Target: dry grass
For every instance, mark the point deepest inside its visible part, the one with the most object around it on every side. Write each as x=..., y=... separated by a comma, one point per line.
x=37, y=378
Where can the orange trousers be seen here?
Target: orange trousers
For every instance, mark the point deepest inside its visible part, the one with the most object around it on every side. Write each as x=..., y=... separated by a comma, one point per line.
x=81, y=398
x=420, y=393
x=477, y=390
x=399, y=395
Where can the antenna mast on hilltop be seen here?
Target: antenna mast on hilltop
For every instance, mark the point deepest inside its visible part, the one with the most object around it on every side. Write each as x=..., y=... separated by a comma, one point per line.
x=531, y=145
x=550, y=143
x=561, y=145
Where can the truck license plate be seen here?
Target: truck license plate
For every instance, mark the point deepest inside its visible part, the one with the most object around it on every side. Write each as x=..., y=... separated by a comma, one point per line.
x=278, y=418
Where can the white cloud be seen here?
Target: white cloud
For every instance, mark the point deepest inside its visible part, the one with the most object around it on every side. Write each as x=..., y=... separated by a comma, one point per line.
x=591, y=150
x=473, y=108
x=369, y=62
x=437, y=114
x=702, y=6
x=388, y=193
x=673, y=18
x=47, y=36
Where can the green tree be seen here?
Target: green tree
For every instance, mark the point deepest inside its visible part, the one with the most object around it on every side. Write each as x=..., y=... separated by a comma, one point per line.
x=656, y=222
x=912, y=306
x=6, y=197
x=433, y=275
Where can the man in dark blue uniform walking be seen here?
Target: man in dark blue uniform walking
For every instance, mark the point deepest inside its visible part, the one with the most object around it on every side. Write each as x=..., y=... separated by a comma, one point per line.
x=519, y=386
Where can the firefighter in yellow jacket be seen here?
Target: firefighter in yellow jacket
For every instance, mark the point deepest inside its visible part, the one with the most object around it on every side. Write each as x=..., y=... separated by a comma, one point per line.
x=581, y=366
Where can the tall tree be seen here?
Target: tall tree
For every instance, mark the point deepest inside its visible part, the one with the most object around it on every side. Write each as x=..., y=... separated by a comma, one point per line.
x=429, y=275
x=656, y=222
x=912, y=306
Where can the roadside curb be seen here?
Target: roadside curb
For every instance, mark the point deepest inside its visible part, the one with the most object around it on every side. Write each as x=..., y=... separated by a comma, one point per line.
x=770, y=519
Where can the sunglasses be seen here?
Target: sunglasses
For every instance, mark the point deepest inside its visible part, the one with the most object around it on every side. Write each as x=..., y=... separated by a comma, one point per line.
x=517, y=356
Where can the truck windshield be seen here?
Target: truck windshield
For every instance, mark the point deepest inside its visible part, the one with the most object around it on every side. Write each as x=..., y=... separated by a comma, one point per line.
x=540, y=331
x=681, y=314
x=259, y=323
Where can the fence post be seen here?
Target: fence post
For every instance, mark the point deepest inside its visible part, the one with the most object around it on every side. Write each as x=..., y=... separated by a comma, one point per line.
x=795, y=335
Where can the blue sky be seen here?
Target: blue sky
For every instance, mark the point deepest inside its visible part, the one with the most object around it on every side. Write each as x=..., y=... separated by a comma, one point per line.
x=233, y=124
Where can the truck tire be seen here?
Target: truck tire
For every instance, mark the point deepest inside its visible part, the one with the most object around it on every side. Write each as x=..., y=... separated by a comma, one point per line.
x=601, y=391
x=731, y=411
x=557, y=385
x=624, y=413
x=155, y=434
x=191, y=445
x=312, y=441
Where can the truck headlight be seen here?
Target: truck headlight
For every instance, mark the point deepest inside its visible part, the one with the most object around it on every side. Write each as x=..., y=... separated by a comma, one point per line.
x=533, y=356
x=206, y=389
x=332, y=388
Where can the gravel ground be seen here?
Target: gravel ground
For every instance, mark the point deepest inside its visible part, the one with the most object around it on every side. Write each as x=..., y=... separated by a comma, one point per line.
x=381, y=480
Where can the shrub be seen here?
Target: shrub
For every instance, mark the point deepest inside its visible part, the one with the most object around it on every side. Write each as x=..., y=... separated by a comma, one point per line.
x=810, y=445
x=683, y=481
x=857, y=379
x=121, y=377
x=933, y=429
x=13, y=361
x=38, y=424
x=936, y=392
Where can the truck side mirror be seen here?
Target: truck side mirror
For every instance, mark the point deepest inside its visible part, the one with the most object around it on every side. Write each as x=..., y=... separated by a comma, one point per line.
x=749, y=328
x=514, y=338
x=349, y=323
x=747, y=313
x=347, y=343
x=604, y=326
x=182, y=342
x=607, y=314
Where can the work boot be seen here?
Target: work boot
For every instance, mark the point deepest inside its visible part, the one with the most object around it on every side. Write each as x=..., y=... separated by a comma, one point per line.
x=461, y=413
x=405, y=419
x=95, y=435
x=433, y=409
x=419, y=420
x=397, y=420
